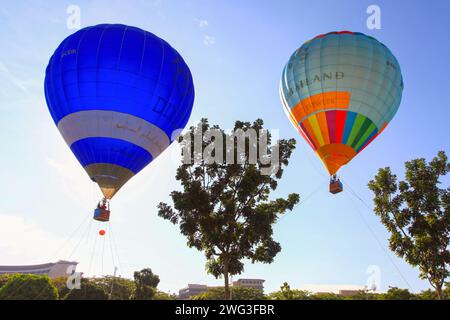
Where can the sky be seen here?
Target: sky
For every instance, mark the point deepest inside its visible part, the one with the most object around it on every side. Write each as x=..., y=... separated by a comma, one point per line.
x=236, y=51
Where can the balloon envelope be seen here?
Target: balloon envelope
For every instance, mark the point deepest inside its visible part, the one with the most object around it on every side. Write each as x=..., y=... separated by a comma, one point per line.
x=340, y=90
x=117, y=94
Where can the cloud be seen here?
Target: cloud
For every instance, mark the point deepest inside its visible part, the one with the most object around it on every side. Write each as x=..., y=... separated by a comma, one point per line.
x=75, y=181
x=201, y=22
x=209, y=40
x=12, y=78
x=23, y=241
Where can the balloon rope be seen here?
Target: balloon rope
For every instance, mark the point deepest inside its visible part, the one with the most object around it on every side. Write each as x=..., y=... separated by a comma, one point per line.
x=92, y=254
x=89, y=231
x=302, y=201
x=113, y=260
x=103, y=254
x=83, y=236
x=320, y=172
x=67, y=239
x=51, y=258
x=111, y=245
x=115, y=247
x=373, y=232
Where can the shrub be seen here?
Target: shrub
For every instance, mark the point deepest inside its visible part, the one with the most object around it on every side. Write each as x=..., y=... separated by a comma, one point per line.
x=89, y=291
x=60, y=284
x=4, y=278
x=122, y=289
x=237, y=293
x=28, y=287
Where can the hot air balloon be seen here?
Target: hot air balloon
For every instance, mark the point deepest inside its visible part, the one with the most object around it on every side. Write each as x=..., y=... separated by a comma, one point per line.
x=340, y=90
x=118, y=95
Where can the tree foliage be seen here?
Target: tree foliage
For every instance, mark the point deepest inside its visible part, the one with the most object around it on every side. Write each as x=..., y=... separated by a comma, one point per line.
x=4, y=278
x=28, y=287
x=416, y=212
x=60, y=284
x=286, y=293
x=224, y=209
x=32, y=287
x=395, y=293
x=89, y=290
x=160, y=295
x=237, y=293
x=117, y=288
x=146, y=283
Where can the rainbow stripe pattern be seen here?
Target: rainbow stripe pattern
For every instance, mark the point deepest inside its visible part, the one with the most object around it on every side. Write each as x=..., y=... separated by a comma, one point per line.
x=340, y=90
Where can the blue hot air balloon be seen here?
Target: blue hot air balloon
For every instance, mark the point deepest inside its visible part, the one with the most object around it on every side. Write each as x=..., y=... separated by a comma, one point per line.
x=118, y=95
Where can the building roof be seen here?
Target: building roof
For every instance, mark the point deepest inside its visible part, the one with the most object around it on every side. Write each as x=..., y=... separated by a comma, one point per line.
x=248, y=279
x=34, y=266
x=332, y=288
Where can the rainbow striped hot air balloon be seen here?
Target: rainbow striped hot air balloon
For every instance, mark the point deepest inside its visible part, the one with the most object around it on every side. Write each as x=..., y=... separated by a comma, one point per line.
x=340, y=90
x=117, y=94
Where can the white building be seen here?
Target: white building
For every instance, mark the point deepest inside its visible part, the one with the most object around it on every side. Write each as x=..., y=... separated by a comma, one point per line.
x=196, y=289
x=342, y=290
x=257, y=284
x=192, y=290
x=53, y=269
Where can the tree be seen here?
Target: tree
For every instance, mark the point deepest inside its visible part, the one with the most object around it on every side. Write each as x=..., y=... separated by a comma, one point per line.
x=117, y=288
x=427, y=295
x=364, y=295
x=447, y=290
x=60, y=284
x=224, y=209
x=416, y=212
x=160, y=295
x=146, y=283
x=395, y=293
x=28, y=287
x=238, y=293
x=286, y=293
x=4, y=278
x=327, y=296
x=89, y=290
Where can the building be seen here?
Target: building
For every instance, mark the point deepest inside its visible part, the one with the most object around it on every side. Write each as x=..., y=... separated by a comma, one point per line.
x=341, y=290
x=348, y=293
x=250, y=283
x=53, y=269
x=191, y=290
x=196, y=289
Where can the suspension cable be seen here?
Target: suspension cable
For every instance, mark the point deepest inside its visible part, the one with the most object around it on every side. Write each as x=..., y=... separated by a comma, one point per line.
x=372, y=232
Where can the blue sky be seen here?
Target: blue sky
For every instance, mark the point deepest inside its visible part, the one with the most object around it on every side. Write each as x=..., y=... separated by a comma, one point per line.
x=236, y=51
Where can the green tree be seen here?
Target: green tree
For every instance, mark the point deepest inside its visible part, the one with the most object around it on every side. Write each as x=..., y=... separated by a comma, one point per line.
x=327, y=296
x=146, y=283
x=416, y=212
x=60, y=284
x=364, y=295
x=4, y=278
x=224, y=209
x=89, y=290
x=395, y=293
x=28, y=287
x=238, y=293
x=427, y=295
x=117, y=288
x=447, y=290
x=286, y=293
x=160, y=295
